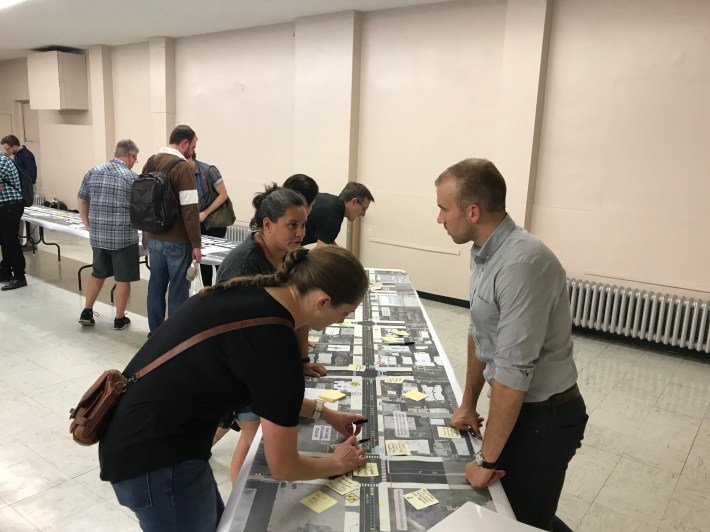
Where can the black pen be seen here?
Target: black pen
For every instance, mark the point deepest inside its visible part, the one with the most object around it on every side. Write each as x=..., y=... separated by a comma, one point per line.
x=360, y=421
x=364, y=440
x=408, y=342
x=470, y=431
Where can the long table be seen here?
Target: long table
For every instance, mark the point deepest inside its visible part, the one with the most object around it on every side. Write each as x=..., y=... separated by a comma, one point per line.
x=214, y=249
x=384, y=350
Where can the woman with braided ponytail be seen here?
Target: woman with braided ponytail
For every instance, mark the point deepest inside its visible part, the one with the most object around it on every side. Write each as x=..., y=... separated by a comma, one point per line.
x=155, y=449
x=279, y=224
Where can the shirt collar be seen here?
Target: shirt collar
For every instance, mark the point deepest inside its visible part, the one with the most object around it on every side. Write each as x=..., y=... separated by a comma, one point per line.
x=172, y=151
x=495, y=240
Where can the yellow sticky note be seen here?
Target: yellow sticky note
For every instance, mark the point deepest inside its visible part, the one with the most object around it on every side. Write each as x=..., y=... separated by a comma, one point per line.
x=319, y=501
x=343, y=485
x=415, y=395
x=346, y=323
x=397, y=448
x=400, y=333
x=352, y=497
x=448, y=432
x=355, y=384
x=375, y=286
x=421, y=499
x=389, y=339
x=314, y=339
x=331, y=395
x=368, y=470
x=356, y=367
x=395, y=380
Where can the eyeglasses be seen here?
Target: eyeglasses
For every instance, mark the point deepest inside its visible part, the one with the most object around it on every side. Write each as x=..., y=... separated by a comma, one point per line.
x=364, y=207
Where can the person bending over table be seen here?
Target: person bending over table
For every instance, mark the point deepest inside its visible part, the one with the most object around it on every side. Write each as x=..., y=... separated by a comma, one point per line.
x=278, y=224
x=156, y=447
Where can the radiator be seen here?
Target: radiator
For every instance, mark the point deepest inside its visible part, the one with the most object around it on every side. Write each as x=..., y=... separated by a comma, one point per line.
x=238, y=233
x=650, y=316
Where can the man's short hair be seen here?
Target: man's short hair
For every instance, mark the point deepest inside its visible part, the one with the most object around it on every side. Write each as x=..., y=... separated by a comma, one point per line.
x=126, y=147
x=303, y=184
x=357, y=191
x=10, y=140
x=180, y=133
x=479, y=181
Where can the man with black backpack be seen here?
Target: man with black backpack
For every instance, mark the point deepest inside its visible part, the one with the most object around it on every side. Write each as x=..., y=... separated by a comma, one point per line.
x=12, y=267
x=171, y=251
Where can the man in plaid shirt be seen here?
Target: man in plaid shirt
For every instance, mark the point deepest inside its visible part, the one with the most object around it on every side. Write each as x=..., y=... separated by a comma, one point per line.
x=12, y=267
x=104, y=202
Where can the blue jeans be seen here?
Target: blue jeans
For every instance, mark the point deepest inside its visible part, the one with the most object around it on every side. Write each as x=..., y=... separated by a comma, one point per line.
x=183, y=497
x=168, y=265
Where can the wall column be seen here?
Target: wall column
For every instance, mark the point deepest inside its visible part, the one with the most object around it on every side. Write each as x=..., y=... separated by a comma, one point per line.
x=327, y=87
x=102, y=111
x=162, y=90
x=527, y=36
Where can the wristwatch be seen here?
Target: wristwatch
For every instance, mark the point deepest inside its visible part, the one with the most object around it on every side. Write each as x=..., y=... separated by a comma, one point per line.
x=318, y=410
x=481, y=462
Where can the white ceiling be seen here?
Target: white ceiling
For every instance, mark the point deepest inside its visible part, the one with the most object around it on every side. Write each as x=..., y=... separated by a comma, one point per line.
x=81, y=23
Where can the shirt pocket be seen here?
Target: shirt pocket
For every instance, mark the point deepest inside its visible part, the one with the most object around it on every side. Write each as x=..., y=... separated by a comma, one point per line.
x=485, y=317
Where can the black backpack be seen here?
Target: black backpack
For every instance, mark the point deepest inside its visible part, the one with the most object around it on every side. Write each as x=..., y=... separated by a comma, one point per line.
x=26, y=188
x=154, y=203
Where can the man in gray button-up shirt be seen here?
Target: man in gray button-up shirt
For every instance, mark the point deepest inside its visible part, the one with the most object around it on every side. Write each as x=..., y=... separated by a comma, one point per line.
x=519, y=342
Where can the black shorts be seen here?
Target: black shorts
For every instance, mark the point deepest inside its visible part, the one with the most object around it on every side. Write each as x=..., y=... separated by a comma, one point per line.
x=121, y=264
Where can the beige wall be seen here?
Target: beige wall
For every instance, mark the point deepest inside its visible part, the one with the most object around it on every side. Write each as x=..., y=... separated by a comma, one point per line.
x=603, y=141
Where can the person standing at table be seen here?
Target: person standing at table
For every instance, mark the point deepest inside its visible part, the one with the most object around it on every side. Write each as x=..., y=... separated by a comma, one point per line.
x=519, y=342
x=104, y=200
x=278, y=224
x=12, y=267
x=208, y=177
x=25, y=160
x=155, y=450
x=170, y=253
x=306, y=186
x=324, y=221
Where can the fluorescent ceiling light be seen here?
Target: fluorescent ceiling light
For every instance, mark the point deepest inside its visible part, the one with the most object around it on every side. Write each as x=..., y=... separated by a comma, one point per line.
x=9, y=3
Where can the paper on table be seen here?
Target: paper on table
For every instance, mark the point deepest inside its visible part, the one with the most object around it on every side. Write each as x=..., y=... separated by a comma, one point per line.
x=343, y=485
x=319, y=501
x=470, y=516
x=400, y=333
x=314, y=339
x=397, y=448
x=312, y=393
x=449, y=432
x=346, y=323
x=212, y=249
x=390, y=339
x=367, y=470
x=415, y=395
x=331, y=395
x=356, y=367
x=421, y=499
x=375, y=286
x=395, y=380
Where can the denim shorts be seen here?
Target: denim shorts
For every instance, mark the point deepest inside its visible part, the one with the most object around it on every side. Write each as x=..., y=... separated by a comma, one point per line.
x=231, y=420
x=121, y=264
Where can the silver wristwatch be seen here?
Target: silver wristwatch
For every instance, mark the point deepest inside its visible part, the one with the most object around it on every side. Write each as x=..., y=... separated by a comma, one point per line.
x=481, y=462
x=318, y=410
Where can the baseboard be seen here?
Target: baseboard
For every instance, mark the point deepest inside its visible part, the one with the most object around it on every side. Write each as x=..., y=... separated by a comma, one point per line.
x=443, y=299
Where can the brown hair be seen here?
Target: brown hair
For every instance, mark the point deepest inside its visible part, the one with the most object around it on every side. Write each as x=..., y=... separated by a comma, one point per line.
x=332, y=269
x=479, y=181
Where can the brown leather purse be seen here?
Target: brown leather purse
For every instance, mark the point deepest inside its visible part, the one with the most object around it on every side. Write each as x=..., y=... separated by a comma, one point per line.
x=89, y=416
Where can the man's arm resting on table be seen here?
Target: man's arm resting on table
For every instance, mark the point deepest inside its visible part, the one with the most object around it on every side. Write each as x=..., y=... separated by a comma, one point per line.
x=502, y=415
x=466, y=415
x=83, y=208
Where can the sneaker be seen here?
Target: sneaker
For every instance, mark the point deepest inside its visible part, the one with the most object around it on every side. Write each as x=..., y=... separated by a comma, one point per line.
x=121, y=323
x=87, y=317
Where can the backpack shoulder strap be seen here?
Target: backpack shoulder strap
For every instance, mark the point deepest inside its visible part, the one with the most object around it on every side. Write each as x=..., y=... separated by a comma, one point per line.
x=171, y=164
x=209, y=333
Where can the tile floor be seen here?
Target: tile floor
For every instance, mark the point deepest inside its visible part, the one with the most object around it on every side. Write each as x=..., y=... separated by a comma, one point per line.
x=644, y=465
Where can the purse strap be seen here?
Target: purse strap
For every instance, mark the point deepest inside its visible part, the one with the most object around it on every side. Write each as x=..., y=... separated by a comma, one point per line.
x=204, y=335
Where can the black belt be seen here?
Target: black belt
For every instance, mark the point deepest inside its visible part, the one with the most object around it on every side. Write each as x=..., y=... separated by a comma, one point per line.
x=559, y=399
